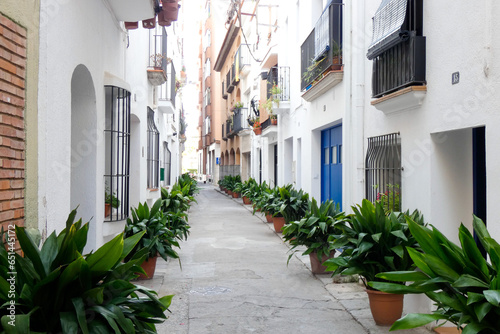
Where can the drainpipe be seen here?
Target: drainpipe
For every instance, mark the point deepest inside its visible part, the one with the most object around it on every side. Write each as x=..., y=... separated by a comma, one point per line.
x=356, y=101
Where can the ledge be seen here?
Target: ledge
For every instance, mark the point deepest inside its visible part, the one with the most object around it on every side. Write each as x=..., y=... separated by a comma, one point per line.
x=270, y=130
x=156, y=76
x=405, y=99
x=284, y=106
x=329, y=81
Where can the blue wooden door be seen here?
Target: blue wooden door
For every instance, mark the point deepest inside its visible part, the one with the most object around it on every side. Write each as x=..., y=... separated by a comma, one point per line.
x=331, y=165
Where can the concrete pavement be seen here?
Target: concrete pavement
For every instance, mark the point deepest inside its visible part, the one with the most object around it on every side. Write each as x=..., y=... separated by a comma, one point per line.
x=235, y=279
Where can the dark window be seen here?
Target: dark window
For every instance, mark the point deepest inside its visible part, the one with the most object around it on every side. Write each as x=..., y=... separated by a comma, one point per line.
x=117, y=137
x=153, y=151
x=383, y=170
x=167, y=155
x=397, y=47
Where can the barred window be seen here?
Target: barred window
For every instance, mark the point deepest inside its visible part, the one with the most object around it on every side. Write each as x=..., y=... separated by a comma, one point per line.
x=383, y=170
x=117, y=163
x=153, y=151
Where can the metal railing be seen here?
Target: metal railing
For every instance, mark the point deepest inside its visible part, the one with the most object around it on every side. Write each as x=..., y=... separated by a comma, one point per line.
x=279, y=76
x=238, y=120
x=230, y=86
x=401, y=66
x=243, y=56
x=266, y=124
x=158, y=50
x=322, y=49
x=167, y=90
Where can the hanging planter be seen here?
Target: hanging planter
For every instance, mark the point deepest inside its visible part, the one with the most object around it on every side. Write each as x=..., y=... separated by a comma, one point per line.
x=257, y=131
x=131, y=25
x=149, y=23
x=169, y=13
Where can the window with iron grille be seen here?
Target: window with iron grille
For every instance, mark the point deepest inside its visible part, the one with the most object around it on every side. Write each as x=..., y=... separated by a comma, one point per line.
x=383, y=170
x=153, y=158
x=117, y=151
x=398, y=46
x=167, y=158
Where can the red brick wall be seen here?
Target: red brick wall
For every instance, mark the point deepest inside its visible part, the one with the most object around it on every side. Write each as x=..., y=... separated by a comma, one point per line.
x=12, y=136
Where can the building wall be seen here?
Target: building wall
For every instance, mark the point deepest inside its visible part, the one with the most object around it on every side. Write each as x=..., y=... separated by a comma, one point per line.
x=19, y=48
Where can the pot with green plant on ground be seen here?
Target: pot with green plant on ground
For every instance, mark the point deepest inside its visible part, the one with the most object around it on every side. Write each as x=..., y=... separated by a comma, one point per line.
x=463, y=285
x=373, y=242
x=158, y=239
x=314, y=232
x=59, y=290
x=294, y=203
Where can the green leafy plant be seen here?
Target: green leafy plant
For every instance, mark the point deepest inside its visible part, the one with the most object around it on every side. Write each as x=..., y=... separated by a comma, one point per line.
x=59, y=290
x=111, y=199
x=175, y=205
x=314, y=230
x=463, y=285
x=390, y=198
x=237, y=105
x=158, y=238
x=373, y=242
x=186, y=180
x=294, y=203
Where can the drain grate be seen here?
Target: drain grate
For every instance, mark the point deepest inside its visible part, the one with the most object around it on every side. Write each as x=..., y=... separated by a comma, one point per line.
x=210, y=291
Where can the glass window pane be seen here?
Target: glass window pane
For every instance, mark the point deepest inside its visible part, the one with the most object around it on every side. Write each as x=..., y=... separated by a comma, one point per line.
x=334, y=155
x=327, y=155
x=340, y=154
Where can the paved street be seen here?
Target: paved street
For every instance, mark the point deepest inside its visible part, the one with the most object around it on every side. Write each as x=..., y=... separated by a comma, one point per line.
x=235, y=279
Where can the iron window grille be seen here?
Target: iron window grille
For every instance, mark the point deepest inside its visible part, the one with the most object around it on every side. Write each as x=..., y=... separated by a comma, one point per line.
x=167, y=155
x=117, y=150
x=153, y=159
x=383, y=170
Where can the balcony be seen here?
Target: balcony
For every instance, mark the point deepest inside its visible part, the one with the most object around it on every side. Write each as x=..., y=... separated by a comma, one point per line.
x=235, y=79
x=133, y=10
x=243, y=60
x=166, y=98
x=230, y=86
x=401, y=66
x=279, y=76
x=224, y=92
x=157, y=67
x=229, y=129
x=321, y=52
x=238, y=120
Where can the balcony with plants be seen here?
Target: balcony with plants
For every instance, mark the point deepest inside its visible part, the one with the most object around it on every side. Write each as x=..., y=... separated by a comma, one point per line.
x=278, y=90
x=168, y=91
x=158, y=60
x=321, y=54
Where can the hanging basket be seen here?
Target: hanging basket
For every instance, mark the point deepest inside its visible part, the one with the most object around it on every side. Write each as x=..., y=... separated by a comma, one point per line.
x=131, y=25
x=257, y=131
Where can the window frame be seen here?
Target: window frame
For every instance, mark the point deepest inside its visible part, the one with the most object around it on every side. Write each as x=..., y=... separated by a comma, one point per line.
x=153, y=154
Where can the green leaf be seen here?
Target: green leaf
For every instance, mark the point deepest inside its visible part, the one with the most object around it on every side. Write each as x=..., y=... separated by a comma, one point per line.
x=399, y=234
x=482, y=310
x=466, y=281
x=80, y=314
x=403, y=276
x=396, y=288
x=69, y=324
x=376, y=237
x=414, y=320
x=473, y=297
x=107, y=255
x=493, y=297
x=166, y=301
x=130, y=242
x=49, y=251
x=471, y=250
x=399, y=250
x=31, y=251
x=22, y=324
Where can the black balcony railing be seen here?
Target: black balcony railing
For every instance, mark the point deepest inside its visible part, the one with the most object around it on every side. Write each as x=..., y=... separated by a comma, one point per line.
x=230, y=86
x=401, y=66
x=238, y=120
x=224, y=92
x=279, y=76
x=229, y=129
x=243, y=56
x=158, y=50
x=322, y=49
x=266, y=124
x=167, y=90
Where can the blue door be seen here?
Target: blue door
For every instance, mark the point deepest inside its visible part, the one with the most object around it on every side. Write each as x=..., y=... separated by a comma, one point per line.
x=331, y=165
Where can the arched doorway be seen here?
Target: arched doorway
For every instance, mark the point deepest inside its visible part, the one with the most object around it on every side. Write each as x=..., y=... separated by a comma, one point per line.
x=84, y=139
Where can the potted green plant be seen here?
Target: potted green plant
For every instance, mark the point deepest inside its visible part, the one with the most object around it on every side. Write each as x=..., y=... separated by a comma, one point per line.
x=237, y=105
x=110, y=201
x=464, y=286
x=314, y=231
x=248, y=189
x=158, y=239
x=372, y=243
x=257, y=127
x=60, y=290
x=273, y=207
x=294, y=203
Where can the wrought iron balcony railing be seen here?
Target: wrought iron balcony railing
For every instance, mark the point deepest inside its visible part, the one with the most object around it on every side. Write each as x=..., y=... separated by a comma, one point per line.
x=279, y=76
x=322, y=50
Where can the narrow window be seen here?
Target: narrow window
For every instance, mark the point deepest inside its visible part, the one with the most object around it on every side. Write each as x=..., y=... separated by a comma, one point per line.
x=153, y=151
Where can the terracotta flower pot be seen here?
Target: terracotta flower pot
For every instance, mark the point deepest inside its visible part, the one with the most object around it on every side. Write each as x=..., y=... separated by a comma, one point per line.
x=230, y=193
x=278, y=222
x=317, y=267
x=236, y=195
x=246, y=200
x=149, y=267
x=269, y=217
x=107, y=209
x=131, y=25
x=386, y=307
x=257, y=131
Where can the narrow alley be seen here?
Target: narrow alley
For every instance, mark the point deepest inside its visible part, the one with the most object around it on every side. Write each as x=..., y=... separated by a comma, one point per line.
x=235, y=279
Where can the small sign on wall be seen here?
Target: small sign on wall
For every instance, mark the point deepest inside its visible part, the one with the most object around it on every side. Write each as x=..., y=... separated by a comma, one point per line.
x=455, y=78
x=217, y=161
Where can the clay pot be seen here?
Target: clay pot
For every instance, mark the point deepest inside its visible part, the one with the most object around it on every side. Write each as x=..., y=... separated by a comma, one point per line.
x=386, y=307
x=257, y=131
x=246, y=200
x=149, y=23
x=317, y=267
x=269, y=217
x=131, y=25
x=149, y=267
x=236, y=195
x=107, y=209
x=278, y=222
x=230, y=193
